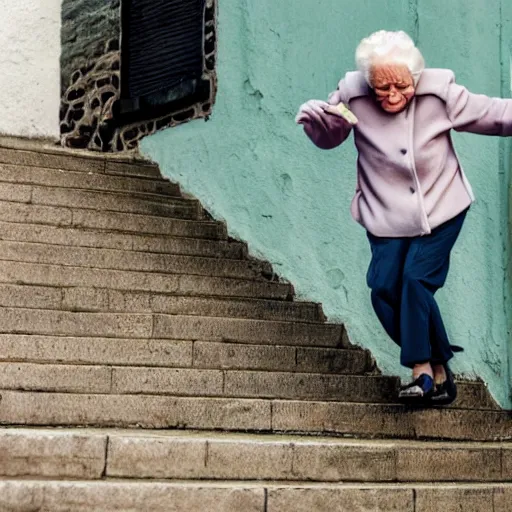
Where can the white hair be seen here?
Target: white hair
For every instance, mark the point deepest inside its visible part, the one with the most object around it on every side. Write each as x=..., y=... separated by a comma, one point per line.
x=395, y=47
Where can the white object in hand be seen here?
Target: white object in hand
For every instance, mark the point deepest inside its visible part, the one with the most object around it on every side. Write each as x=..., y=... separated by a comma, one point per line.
x=341, y=110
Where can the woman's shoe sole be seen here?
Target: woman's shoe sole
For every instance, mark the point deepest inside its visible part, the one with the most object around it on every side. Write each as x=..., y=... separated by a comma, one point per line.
x=443, y=401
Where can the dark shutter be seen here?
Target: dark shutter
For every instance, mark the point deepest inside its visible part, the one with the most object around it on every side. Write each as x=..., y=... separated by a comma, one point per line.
x=162, y=49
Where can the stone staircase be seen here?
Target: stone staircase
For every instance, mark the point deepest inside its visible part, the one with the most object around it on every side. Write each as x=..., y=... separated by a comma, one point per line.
x=182, y=375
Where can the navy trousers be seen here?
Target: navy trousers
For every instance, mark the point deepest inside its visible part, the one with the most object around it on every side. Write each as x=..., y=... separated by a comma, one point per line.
x=404, y=275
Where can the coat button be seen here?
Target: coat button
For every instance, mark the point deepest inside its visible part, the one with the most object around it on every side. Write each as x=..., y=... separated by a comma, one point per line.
x=403, y=151
x=412, y=190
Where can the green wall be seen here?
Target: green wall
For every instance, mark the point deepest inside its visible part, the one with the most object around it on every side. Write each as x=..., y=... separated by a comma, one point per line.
x=253, y=167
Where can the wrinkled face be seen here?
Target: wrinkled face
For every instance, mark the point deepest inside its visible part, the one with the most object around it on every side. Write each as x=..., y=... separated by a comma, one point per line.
x=393, y=85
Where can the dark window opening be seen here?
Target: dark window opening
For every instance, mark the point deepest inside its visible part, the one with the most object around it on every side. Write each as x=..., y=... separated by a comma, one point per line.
x=162, y=58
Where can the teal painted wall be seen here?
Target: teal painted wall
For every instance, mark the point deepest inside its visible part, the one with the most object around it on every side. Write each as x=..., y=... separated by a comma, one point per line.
x=253, y=167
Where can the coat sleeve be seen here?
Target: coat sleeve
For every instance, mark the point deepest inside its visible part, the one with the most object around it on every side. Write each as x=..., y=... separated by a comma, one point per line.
x=477, y=113
x=329, y=131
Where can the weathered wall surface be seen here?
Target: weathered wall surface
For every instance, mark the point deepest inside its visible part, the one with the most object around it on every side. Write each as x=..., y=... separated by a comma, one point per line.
x=251, y=166
x=90, y=72
x=87, y=27
x=29, y=63
x=91, y=79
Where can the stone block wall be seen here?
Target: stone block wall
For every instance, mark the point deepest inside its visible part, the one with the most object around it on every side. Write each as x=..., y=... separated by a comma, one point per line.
x=91, y=79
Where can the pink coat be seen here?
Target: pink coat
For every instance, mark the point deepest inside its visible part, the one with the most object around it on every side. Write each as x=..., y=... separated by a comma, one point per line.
x=409, y=179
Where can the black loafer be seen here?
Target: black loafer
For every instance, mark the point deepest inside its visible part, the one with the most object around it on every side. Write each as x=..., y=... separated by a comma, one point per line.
x=445, y=393
x=419, y=391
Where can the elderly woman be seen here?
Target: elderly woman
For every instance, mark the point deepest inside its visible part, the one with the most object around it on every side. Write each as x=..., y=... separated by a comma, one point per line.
x=411, y=195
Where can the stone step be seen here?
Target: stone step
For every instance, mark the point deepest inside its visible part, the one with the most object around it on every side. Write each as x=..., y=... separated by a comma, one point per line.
x=75, y=160
x=249, y=331
x=314, y=386
x=179, y=455
x=237, y=356
x=230, y=384
x=98, y=299
x=21, y=348
x=183, y=456
x=215, y=383
x=219, y=496
x=39, y=253
x=104, y=300
x=112, y=222
x=252, y=415
x=145, y=204
x=74, y=237
x=390, y=498
x=179, y=382
x=15, y=348
x=69, y=196
x=85, y=180
x=179, y=284
x=52, y=453
x=158, y=326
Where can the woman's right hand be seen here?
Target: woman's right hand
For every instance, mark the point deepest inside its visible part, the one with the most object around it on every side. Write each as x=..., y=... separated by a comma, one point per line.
x=325, y=130
x=311, y=111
